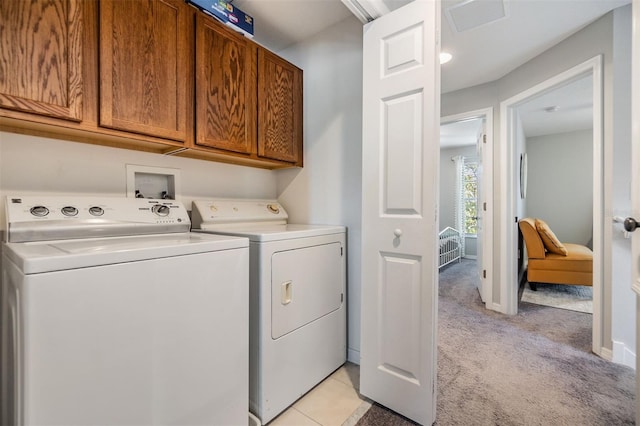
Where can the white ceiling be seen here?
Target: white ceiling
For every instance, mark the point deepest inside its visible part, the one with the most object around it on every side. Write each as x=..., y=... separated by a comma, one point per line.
x=481, y=54
x=460, y=133
x=574, y=110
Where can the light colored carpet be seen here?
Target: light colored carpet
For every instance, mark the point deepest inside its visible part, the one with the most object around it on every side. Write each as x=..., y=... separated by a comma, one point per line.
x=577, y=298
x=533, y=368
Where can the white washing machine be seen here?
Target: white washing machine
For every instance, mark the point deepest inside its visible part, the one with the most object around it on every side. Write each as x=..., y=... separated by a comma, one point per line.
x=113, y=313
x=297, y=298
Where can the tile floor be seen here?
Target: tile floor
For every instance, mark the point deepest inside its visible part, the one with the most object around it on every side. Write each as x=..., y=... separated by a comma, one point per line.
x=334, y=402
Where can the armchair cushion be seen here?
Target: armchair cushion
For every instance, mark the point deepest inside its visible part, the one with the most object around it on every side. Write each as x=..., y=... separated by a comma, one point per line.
x=551, y=242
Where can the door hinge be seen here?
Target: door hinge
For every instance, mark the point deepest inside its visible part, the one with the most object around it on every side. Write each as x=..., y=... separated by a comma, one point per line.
x=516, y=219
x=341, y=297
x=484, y=138
x=484, y=206
x=341, y=251
x=484, y=273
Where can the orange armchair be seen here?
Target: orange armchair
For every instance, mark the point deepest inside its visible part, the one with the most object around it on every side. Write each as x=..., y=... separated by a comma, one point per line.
x=551, y=261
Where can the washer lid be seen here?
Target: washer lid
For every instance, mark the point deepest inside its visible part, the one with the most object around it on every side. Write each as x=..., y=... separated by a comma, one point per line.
x=266, y=232
x=38, y=257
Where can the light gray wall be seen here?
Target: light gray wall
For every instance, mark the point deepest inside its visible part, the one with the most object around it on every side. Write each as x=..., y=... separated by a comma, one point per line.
x=595, y=39
x=560, y=184
x=328, y=188
x=37, y=165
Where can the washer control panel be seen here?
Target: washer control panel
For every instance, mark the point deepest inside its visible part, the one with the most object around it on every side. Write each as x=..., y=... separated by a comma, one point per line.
x=33, y=218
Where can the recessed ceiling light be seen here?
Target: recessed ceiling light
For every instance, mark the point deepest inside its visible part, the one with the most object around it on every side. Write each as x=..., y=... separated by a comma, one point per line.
x=445, y=57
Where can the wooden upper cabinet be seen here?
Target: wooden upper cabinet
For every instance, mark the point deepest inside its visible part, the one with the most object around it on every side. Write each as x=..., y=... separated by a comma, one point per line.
x=146, y=67
x=225, y=88
x=279, y=109
x=41, y=57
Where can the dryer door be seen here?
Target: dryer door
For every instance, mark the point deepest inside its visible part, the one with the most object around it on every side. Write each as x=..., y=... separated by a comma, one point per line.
x=306, y=284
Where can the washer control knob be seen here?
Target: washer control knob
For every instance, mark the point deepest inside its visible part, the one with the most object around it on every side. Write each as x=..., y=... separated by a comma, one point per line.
x=160, y=210
x=96, y=211
x=69, y=211
x=39, y=211
x=273, y=208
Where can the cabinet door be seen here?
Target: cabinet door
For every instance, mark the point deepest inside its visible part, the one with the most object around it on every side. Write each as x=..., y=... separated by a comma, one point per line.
x=279, y=109
x=145, y=67
x=41, y=57
x=225, y=88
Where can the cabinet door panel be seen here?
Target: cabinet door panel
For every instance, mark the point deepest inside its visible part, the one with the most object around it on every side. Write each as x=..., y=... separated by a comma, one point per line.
x=279, y=109
x=225, y=88
x=145, y=67
x=41, y=57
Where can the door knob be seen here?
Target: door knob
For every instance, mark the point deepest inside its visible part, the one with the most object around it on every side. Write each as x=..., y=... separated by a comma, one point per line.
x=630, y=224
x=397, y=232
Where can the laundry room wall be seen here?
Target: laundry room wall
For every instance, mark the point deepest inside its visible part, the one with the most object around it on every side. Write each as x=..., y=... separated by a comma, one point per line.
x=328, y=189
x=38, y=165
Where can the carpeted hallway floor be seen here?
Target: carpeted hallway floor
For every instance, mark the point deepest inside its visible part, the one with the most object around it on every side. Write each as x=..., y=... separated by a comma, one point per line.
x=534, y=368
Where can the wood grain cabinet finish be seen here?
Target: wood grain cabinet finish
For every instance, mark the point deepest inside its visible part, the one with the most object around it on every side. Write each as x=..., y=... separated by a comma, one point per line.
x=225, y=88
x=145, y=69
x=41, y=57
x=279, y=109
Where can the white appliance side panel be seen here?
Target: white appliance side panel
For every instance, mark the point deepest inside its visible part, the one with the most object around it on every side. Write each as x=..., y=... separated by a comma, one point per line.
x=161, y=341
x=306, y=284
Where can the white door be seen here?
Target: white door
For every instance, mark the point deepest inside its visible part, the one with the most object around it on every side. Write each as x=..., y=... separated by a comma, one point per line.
x=635, y=176
x=401, y=118
x=480, y=212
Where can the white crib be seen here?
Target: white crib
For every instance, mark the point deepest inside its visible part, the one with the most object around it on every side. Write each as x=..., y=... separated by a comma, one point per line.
x=450, y=243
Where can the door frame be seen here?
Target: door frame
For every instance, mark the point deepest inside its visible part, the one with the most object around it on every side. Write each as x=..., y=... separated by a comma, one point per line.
x=509, y=178
x=487, y=195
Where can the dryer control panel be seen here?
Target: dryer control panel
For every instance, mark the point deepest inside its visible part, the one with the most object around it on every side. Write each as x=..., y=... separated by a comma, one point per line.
x=237, y=211
x=43, y=218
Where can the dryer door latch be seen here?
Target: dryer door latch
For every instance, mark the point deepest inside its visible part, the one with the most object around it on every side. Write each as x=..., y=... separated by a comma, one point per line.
x=285, y=292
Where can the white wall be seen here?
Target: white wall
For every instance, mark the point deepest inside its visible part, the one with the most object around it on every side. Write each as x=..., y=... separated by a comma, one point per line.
x=328, y=188
x=622, y=298
x=36, y=165
x=560, y=190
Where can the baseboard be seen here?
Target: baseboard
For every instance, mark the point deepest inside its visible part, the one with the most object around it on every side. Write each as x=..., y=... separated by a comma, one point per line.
x=353, y=356
x=470, y=256
x=623, y=355
x=606, y=354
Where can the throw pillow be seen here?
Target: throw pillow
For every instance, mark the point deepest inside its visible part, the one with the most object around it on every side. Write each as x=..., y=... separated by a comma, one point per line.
x=549, y=239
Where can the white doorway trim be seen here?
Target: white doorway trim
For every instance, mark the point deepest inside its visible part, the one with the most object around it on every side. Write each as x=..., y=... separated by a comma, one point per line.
x=487, y=195
x=508, y=180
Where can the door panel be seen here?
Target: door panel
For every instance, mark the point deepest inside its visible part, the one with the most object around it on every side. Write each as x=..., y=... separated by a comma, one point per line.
x=304, y=291
x=400, y=174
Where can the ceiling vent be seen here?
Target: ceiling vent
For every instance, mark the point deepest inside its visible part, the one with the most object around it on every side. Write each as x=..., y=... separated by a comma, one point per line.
x=474, y=13
x=366, y=10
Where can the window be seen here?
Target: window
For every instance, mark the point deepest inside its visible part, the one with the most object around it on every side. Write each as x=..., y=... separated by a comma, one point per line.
x=470, y=196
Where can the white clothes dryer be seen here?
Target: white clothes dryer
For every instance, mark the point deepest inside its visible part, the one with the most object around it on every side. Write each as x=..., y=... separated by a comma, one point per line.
x=113, y=313
x=297, y=298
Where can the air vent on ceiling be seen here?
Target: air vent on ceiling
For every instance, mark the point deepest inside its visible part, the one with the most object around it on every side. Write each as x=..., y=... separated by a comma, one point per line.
x=471, y=14
x=366, y=10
